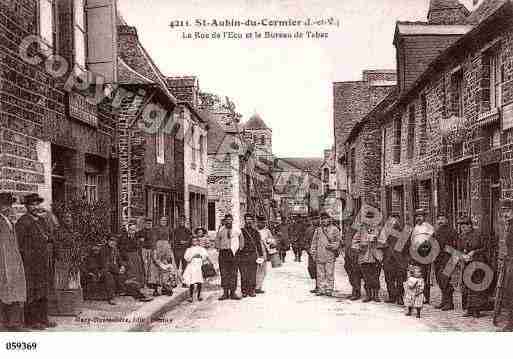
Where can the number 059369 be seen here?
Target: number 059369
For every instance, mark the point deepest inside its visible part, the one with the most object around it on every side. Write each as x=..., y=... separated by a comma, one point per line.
x=20, y=346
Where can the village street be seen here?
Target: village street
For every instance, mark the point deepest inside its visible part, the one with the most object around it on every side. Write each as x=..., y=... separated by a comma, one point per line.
x=288, y=305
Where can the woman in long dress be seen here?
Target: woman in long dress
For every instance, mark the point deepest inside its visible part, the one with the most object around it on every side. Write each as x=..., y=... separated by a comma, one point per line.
x=193, y=276
x=162, y=274
x=131, y=252
x=474, y=251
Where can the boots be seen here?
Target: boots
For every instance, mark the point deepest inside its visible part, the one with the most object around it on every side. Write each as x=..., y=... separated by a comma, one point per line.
x=234, y=296
x=355, y=295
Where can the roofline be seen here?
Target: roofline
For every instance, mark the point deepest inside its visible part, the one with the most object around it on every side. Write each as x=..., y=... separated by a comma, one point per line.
x=445, y=55
x=467, y=11
x=389, y=99
x=192, y=109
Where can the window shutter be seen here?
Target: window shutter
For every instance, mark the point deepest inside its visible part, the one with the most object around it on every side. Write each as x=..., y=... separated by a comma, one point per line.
x=101, y=38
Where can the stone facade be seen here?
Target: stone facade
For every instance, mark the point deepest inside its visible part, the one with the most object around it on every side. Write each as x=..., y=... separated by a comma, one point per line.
x=42, y=126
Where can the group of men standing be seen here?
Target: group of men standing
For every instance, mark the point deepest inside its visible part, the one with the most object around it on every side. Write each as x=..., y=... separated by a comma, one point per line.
x=246, y=251
x=25, y=265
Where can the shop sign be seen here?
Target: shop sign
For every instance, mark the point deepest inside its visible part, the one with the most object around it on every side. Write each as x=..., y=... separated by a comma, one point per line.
x=82, y=110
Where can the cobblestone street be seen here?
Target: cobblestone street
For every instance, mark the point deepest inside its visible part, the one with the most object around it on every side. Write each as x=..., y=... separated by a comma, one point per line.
x=288, y=305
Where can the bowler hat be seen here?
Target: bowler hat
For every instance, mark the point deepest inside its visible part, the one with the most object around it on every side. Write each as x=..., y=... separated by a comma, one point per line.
x=32, y=198
x=6, y=198
x=325, y=215
x=395, y=214
x=228, y=216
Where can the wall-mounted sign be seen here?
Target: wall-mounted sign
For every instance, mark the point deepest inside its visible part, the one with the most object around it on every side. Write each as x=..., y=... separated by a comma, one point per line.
x=507, y=116
x=82, y=110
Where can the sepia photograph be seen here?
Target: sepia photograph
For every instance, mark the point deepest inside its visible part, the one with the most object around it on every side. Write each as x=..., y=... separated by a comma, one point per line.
x=255, y=166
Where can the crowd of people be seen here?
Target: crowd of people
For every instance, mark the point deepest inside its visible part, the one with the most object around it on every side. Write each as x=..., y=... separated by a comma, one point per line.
x=136, y=262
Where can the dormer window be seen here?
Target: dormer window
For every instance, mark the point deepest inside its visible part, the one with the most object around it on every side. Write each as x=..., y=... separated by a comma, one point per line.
x=457, y=93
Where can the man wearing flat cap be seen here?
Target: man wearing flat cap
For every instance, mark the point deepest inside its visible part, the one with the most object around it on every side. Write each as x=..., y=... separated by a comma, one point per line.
x=421, y=246
x=34, y=241
x=13, y=291
x=353, y=270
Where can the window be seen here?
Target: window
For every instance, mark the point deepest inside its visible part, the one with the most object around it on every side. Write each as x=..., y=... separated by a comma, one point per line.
x=423, y=125
x=160, y=206
x=411, y=131
x=491, y=80
x=326, y=175
x=211, y=216
x=262, y=140
x=457, y=93
x=79, y=30
x=159, y=147
x=91, y=187
x=397, y=142
x=47, y=25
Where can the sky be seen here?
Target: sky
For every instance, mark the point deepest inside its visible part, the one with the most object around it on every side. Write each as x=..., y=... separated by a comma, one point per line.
x=288, y=82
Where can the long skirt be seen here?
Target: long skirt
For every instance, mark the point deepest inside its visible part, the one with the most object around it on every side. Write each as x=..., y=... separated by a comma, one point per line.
x=136, y=266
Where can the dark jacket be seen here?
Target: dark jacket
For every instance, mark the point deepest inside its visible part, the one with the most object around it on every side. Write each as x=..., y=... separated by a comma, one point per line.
x=446, y=237
x=149, y=236
x=251, y=242
x=181, y=238
x=34, y=242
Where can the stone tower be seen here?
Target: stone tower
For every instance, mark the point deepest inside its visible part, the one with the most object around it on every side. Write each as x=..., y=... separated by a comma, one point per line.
x=258, y=133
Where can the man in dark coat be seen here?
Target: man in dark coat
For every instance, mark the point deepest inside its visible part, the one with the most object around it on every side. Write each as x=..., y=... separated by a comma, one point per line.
x=33, y=238
x=298, y=243
x=309, y=233
x=395, y=263
x=147, y=237
x=250, y=254
x=181, y=239
x=446, y=237
x=353, y=269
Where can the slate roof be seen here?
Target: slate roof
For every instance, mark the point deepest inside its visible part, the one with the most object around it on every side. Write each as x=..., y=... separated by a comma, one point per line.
x=255, y=123
x=128, y=76
x=307, y=164
x=435, y=5
x=135, y=56
x=487, y=8
x=421, y=28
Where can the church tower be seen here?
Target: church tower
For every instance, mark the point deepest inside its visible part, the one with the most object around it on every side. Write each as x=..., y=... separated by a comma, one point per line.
x=258, y=133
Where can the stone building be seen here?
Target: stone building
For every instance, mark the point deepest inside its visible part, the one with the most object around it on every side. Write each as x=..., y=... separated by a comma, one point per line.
x=191, y=158
x=54, y=141
x=297, y=185
x=352, y=101
x=146, y=133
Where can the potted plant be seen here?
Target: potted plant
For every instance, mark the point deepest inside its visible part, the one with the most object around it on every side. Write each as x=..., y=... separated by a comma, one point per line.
x=81, y=225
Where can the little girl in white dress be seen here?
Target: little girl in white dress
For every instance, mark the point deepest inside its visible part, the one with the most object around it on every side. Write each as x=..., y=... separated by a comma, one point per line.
x=193, y=276
x=414, y=290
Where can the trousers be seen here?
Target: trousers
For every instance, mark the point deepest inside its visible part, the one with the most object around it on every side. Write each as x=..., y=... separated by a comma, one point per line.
x=11, y=316
x=228, y=268
x=326, y=277
x=354, y=272
x=370, y=273
x=312, y=268
x=261, y=273
x=248, y=269
x=179, y=258
x=395, y=276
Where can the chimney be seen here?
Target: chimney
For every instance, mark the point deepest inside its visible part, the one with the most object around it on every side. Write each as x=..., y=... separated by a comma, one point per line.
x=447, y=12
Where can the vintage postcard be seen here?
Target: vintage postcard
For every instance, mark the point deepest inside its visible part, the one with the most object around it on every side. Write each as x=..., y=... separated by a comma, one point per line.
x=263, y=166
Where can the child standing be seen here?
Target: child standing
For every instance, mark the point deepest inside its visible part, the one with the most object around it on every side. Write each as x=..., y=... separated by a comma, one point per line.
x=193, y=276
x=414, y=290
